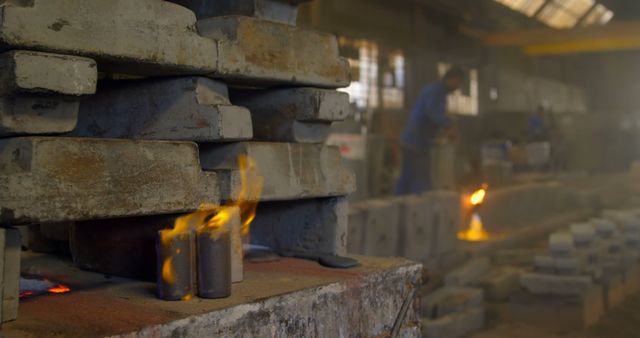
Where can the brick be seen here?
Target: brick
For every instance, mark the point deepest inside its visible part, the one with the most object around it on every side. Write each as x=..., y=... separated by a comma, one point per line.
x=500, y=283
x=456, y=325
x=450, y=300
x=469, y=273
x=416, y=217
x=381, y=227
x=184, y=108
x=561, y=244
x=261, y=52
x=556, y=285
x=11, y=274
x=632, y=280
x=544, y=264
x=447, y=220
x=92, y=178
x=604, y=228
x=284, y=11
x=291, y=171
x=145, y=37
x=290, y=131
x=571, y=313
x=317, y=226
x=614, y=291
x=301, y=104
x=355, y=232
x=29, y=72
x=584, y=234
x=33, y=115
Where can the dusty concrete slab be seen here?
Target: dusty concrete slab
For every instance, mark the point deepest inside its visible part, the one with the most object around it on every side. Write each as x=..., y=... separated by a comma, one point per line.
x=145, y=37
x=34, y=115
x=256, y=52
x=537, y=283
x=50, y=179
x=285, y=11
x=291, y=171
x=287, y=298
x=46, y=73
x=316, y=226
x=469, y=273
x=447, y=220
x=184, y=108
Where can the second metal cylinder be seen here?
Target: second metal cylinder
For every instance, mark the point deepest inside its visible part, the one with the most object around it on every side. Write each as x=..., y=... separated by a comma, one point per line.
x=214, y=263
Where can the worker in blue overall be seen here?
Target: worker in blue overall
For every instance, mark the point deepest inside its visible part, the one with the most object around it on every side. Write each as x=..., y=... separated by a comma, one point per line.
x=427, y=120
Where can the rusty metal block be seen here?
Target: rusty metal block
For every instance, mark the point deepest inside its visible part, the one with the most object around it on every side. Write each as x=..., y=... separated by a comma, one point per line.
x=184, y=108
x=259, y=52
x=142, y=37
x=291, y=171
x=49, y=179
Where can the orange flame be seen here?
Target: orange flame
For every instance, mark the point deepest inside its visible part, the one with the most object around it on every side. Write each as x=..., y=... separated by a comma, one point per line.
x=217, y=217
x=478, y=196
x=476, y=232
x=59, y=289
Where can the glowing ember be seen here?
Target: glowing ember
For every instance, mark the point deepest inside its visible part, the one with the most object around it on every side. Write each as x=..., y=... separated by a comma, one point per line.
x=476, y=232
x=217, y=217
x=59, y=289
x=478, y=196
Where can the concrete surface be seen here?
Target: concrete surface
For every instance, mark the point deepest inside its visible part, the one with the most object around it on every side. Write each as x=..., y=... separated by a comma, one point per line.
x=49, y=179
x=184, y=108
x=290, y=297
x=254, y=51
x=380, y=236
x=46, y=73
x=143, y=37
x=291, y=171
x=312, y=225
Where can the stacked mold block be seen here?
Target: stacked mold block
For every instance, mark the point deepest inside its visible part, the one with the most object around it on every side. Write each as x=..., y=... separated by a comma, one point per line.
x=418, y=227
x=105, y=169
x=592, y=265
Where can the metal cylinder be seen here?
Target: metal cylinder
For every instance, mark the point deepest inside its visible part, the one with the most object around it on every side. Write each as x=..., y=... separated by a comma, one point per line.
x=214, y=263
x=175, y=266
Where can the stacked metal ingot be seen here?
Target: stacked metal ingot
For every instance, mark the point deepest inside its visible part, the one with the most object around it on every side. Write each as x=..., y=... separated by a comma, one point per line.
x=186, y=87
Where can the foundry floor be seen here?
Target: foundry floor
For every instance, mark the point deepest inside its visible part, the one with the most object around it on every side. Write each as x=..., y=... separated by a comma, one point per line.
x=100, y=305
x=621, y=322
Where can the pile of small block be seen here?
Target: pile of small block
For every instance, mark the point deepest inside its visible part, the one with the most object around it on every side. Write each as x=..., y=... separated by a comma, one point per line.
x=590, y=268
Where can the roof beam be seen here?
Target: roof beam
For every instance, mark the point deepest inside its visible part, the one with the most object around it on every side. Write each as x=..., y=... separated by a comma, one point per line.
x=611, y=37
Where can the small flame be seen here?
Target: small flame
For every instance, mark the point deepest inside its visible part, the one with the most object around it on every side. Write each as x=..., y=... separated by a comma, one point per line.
x=217, y=217
x=476, y=232
x=478, y=196
x=59, y=289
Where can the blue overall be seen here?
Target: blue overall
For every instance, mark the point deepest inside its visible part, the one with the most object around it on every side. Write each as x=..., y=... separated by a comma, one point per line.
x=427, y=118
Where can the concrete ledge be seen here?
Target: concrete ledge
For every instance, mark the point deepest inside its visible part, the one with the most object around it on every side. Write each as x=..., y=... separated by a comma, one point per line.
x=287, y=298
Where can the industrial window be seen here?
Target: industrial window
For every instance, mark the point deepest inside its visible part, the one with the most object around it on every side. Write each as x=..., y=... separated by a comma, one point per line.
x=464, y=101
x=363, y=58
x=599, y=15
x=393, y=81
x=528, y=7
x=562, y=14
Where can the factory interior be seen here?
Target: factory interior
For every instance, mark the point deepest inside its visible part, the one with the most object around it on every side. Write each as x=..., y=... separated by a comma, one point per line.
x=320, y=168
